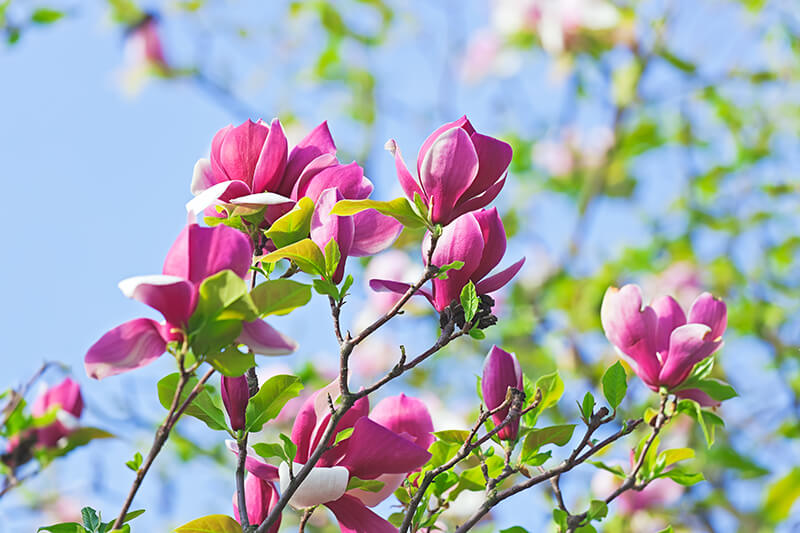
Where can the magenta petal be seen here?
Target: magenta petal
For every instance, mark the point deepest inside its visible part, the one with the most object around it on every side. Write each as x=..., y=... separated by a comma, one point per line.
x=494, y=242
x=271, y=163
x=349, y=180
x=216, y=147
x=296, y=189
x=316, y=143
x=241, y=149
x=403, y=414
x=449, y=168
x=217, y=194
x=478, y=202
x=499, y=280
x=200, y=252
x=374, y=450
x=710, y=311
x=255, y=466
x=631, y=328
x=688, y=345
x=501, y=371
x=354, y=517
x=407, y=182
x=669, y=316
x=263, y=339
x=398, y=287
x=699, y=396
x=204, y=177
x=174, y=297
x=460, y=241
x=462, y=123
x=494, y=156
x=129, y=346
x=326, y=227
x=260, y=497
x=66, y=395
x=373, y=233
x=235, y=395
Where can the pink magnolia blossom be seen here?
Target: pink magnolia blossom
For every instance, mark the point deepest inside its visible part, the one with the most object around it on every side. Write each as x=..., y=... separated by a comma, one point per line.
x=67, y=396
x=662, y=345
x=260, y=496
x=250, y=167
x=501, y=371
x=143, y=44
x=459, y=169
x=479, y=240
x=197, y=254
x=235, y=395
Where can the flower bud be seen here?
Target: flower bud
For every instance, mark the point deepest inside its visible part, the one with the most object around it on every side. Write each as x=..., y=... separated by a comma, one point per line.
x=260, y=497
x=67, y=396
x=501, y=371
x=235, y=395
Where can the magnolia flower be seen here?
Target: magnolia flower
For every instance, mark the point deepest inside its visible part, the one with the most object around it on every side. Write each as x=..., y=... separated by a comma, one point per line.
x=144, y=55
x=501, y=371
x=662, y=346
x=250, y=168
x=479, y=240
x=260, y=497
x=459, y=170
x=197, y=254
x=235, y=395
x=67, y=397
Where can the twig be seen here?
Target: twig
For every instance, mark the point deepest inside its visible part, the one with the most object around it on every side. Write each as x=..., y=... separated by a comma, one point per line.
x=244, y=520
x=304, y=519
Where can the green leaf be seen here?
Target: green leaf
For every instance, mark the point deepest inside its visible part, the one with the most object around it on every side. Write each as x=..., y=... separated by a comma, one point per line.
x=455, y=436
x=455, y=265
x=781, y=496
x=215, y=523
x=342, y=435
x=294, y=226
x=135, y=463
x=477, y=334
x=420, y=207
x=205, y=407
x=615, y=385
x=306, y=255
x=444, y=481
x=441, y=452
x=326, y=288
x=106, y=526
x=279, y=296
x=727, y=457
x=76, y=438
x=669, y=457
x=400, y=209
x=558, y=435
x=46, y=15
x=616, y=470
x=270, y=399
x=552, y=388
x=560, y=518
x=515, y=529
x=222, y=305
x=67, y=527
x=535, y=459
x=684, y=477
x=289, y=447
x=218, y=292
x=348, y=282
x=587, y=406
x=469, y=301
x=718, y=390
x=90, y=519
x=597, y=510
x=231, y=362
x=369, y=485
x=268, y=450
x=332, y=257
x=667, y=529
x=706, y=419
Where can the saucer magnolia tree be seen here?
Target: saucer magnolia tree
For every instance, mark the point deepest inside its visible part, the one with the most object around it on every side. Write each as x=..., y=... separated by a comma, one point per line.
x=278, y=226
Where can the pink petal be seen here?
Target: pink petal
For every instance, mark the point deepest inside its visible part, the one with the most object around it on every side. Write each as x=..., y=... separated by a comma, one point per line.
x=494, y=156
x=460, y=241
x=204, y=177
x=398, y=287
x=374, y=450
x=390, y=484
x=354, y=517
x=501, y=371
x=669, y=316
x=241, y=149
x=407, y=181
x=499, y=280
x=216, y=146
x=174, y=297
x=349, y=180
x=449, y=168
x=296, y=189
x=253, y=464
x=461, y=123
x=403, y=414
x=200, y=252
x=66, y=395
x=263, y=339
x=316, y=143
x=235, y=395
x=129, y=346
x=699, y=396
x=260, y=497
x=494, y=242
x=326, y=227
x=217, y=194
x=710, y=311
x=374, y=233
x=271, y=163
x=632, y=328
x=688, y=345
x=478, y=202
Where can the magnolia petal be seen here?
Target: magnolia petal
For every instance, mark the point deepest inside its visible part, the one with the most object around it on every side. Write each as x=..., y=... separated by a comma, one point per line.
x=261, y=199
x=494, y=242
x=200, y=252
x=216, y=146
x=501, y=371
x=688, y=345
x=203, y=176
x=252, y=464
x=271, y=163
x=449, y=168
x=669, y=316
x=349, y=180
x=710, y=311
x=699, y=396
x=478, y=202
x=263, y=339
x=354, y=517
x=374, y=450
x=298, y=187
x=241, y=148
x=407, y=182
x=129, y=346
x=462, y=123
x=260, y=497
x=404, y=414
x=499, y=280
x=460, y=241
x=67, y=396
x=398, y=287
x=315, y=144
x=494, y=156
x=174, y=297
x=322, y=485
x=217, y=194
x=235, y=395
x=373, y=233
x=326, y=227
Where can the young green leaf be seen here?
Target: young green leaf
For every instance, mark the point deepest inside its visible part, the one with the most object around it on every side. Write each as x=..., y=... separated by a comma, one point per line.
x=615, y=385
x=294, y=226
x=399, y=209
x=558, y=435
x=587, y=406
x=469, y=301
x=205, y=407
x=369, y=485
x=279, y=296
x=135, y=463
x=270, y=399
x=216, y=523
x=306, y=255
x=231, y=362
x=332, y=257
